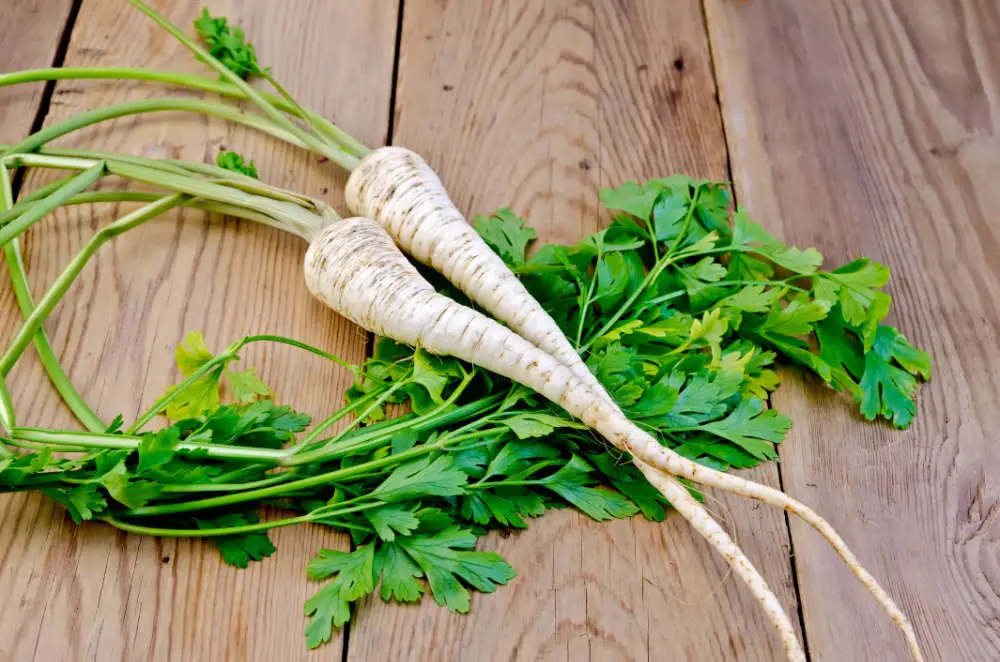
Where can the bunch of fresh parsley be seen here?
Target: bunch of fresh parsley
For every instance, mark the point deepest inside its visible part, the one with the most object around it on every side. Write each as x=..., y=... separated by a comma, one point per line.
x=680, y=308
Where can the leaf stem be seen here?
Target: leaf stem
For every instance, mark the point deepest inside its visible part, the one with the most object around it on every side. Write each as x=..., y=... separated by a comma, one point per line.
x=204, y=533
x=38, y=210
x=141, y=106
x=301, y=484
x=7, y=419
x=334, y=152
x=66, y=278
x=190, y=81
x=651, y=276
x=92, y=440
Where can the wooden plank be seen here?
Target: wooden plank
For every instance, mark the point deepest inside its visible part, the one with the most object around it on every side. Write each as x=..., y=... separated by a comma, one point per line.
x=536, y=105
x=29, y=36
x=112, y=596
x=873, y=128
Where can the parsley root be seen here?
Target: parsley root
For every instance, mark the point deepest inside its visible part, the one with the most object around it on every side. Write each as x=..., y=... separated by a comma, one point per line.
x=354, y=267
x=396, y=187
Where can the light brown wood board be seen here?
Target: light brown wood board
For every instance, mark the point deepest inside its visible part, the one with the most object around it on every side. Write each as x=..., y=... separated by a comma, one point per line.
x=873, y=128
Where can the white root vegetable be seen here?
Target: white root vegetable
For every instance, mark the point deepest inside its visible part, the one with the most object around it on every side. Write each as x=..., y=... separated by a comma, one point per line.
x=355, y=268
x=404, y=201
x=398, y=189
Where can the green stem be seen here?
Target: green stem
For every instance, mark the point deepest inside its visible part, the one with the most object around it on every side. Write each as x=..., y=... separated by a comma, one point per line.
x=282, y=214
x=184, y=80
x=330, y=420
x=98, y=197
x=66, y=278
x=7, y=419
x=205, y=533
x=334, y=152
x=92, y=440
x=265, y=337
x=25, y=301
x=223, y=487
x=204, y=369
x=293, y=486
x=669, y=258
x=586, y=304
x=42, y=208
x=140, y=106
x=231, y=354
x=322, y=427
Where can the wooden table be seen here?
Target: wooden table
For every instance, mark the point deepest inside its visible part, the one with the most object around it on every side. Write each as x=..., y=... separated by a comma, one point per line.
x=860, y=127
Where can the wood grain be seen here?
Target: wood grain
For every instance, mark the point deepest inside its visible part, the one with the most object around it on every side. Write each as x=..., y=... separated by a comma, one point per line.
x=29, y=36
x=89, y=593
x=536, y=105
x=873, y=128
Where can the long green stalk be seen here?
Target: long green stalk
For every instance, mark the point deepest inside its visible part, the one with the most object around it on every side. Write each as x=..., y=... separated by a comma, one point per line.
x=7, y=419
x=46, y=206
x=288, y=216
x=140, y=106
x=334, y=152
x=93, y=440
x=98, y=197
x=25, y=301
x=66, y=278
x=351, y=145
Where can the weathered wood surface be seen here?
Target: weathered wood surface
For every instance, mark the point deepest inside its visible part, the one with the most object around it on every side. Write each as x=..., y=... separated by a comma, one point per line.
x=535, y=105
x=861, y=128
x=873, y=128
x=90, y=593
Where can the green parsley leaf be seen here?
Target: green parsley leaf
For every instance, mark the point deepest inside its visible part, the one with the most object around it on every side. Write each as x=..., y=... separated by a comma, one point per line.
x=529, y=425
x=247, y=387
x=448, y=565
x=82, y=502
x=507, y=235
x=157, y=448
x=228, y=45
x=423, y=477
x=636, y=199
x=795, y=319
x=669, y=213
x=749, y=235
x=752, y=428
x=130, y=493
x=574, y=482
x=628, y=480
x=353, y=577
x=391, y=519
x=234, y=162
x=507, y=506
x=400, y=575
x=889, y=380
x=239, y=550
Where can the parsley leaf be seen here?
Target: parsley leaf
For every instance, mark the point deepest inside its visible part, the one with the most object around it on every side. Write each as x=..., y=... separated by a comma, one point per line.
x=533, y=424
x=575, y=482
x=234, y=161
x=448, y=566
x=393, y=519
x=890, y=377
x=238, y=550
x=423, y=477
x=507, y=235
x=353, y=577
x=247, y=387
x=752, y=428
x=228, y=45
x=400, y=575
